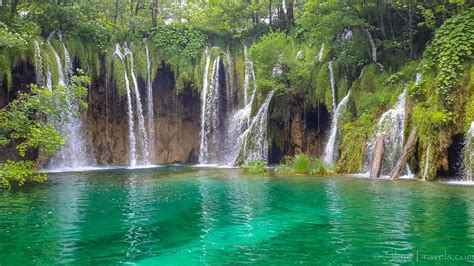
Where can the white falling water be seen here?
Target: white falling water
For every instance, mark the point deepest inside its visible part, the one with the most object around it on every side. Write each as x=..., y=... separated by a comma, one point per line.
x=73, y=154
x=255, y=138
x=333, y=86
x=427, y=162
x=145, y=156
x=38, y=64
x=392, y=126
x=239, y=121
x=205, y=89
x=209, y=129
x=330, y=152
x=321, y=52
x=150, y=106
x=68, y=71
x=131, y=135
x=469, y=153
x=249, y=77
x=49, y=79
x=373, y=48
x=62, y=80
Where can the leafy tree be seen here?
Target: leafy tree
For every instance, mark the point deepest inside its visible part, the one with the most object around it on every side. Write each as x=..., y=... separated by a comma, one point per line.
x=25, y=122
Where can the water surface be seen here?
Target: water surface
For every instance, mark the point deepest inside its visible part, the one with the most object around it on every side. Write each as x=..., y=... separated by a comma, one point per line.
x=185, y=215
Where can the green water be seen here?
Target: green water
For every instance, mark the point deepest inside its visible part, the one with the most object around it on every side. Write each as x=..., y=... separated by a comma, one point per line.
x=190, y=216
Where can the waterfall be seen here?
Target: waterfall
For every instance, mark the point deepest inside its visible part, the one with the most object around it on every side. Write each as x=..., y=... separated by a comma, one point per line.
x=150, y=107
x=68, y=71
x=49, y=78
x=210, y=116
x=205, y=85
x=239, y=121
x=427, y=162
x=321, y=52
x=145, y=156
x=391, y=125
x=74, y=153
x=62, y=81
x=373, y=48
x=38, y=64
x=333, y=86
x=255, y=138
x=469, y=153
x=248, y=77
x=330, y=151
x=131, y=134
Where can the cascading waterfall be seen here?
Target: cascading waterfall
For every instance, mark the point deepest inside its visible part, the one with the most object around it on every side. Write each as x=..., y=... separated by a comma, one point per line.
x=427, y=162
x=145, y=156
x=74, y=153
x=205, y=85
x=333, y=86
x=38, y=64
x=391, y=125
x=150, y=106
x=255, y=138
x=330, y=152
x=373, y=49
x=321, y=52
x=469, y=153
x=240, y=120
x=209, y=129
x=62, y=80
x=131, y=135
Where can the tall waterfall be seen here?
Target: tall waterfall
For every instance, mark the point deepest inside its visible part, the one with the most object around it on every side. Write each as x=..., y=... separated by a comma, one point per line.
x=150, y=106
x=330, y=152
x=38, y=64
x=205, y=89
x=427, y=162
x=373, y=48
x=144, y=156
x=321, y=52
x=469, y=153
x=139, y=150
x=391, y=125
x=74, y=153
x=210, y=115
x=333, y=86
x=255, y=138
x=131, y=134
x=249, y=78
x=239, y=121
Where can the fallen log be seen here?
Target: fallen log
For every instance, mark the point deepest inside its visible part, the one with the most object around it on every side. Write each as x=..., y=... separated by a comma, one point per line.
x=376, y=166
x=406, y=153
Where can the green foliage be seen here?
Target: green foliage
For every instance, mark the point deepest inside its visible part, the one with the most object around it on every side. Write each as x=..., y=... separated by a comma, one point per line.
x=19, y=173
x=352, y=146
x=23, y=121
x=302, y=164
x=449, y=49
x=255, y=167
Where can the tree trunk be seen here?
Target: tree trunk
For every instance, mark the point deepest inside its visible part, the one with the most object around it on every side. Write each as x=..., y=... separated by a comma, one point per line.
x=270, y=13
x=290, y=16
x=154, y=13
x=406, y=153
x=376, y=166
x=116, y=14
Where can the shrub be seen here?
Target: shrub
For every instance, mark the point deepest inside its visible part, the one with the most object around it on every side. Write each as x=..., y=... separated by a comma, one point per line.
x=255, y=167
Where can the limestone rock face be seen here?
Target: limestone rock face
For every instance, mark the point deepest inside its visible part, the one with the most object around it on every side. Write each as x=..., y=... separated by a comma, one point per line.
x=296, y=129
x=177, y=125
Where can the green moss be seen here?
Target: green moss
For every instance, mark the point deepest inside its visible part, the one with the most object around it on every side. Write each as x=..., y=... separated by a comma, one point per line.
x=118, y=75
x=352, y=146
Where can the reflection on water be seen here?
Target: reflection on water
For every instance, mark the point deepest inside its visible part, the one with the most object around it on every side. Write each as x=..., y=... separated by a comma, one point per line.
x=207, y=216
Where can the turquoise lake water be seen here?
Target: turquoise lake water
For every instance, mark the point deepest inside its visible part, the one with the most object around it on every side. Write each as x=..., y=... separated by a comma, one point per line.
x=180, y=215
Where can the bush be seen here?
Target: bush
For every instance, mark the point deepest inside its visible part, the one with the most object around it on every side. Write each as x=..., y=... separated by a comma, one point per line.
x=302, y=164
x=255, y=167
